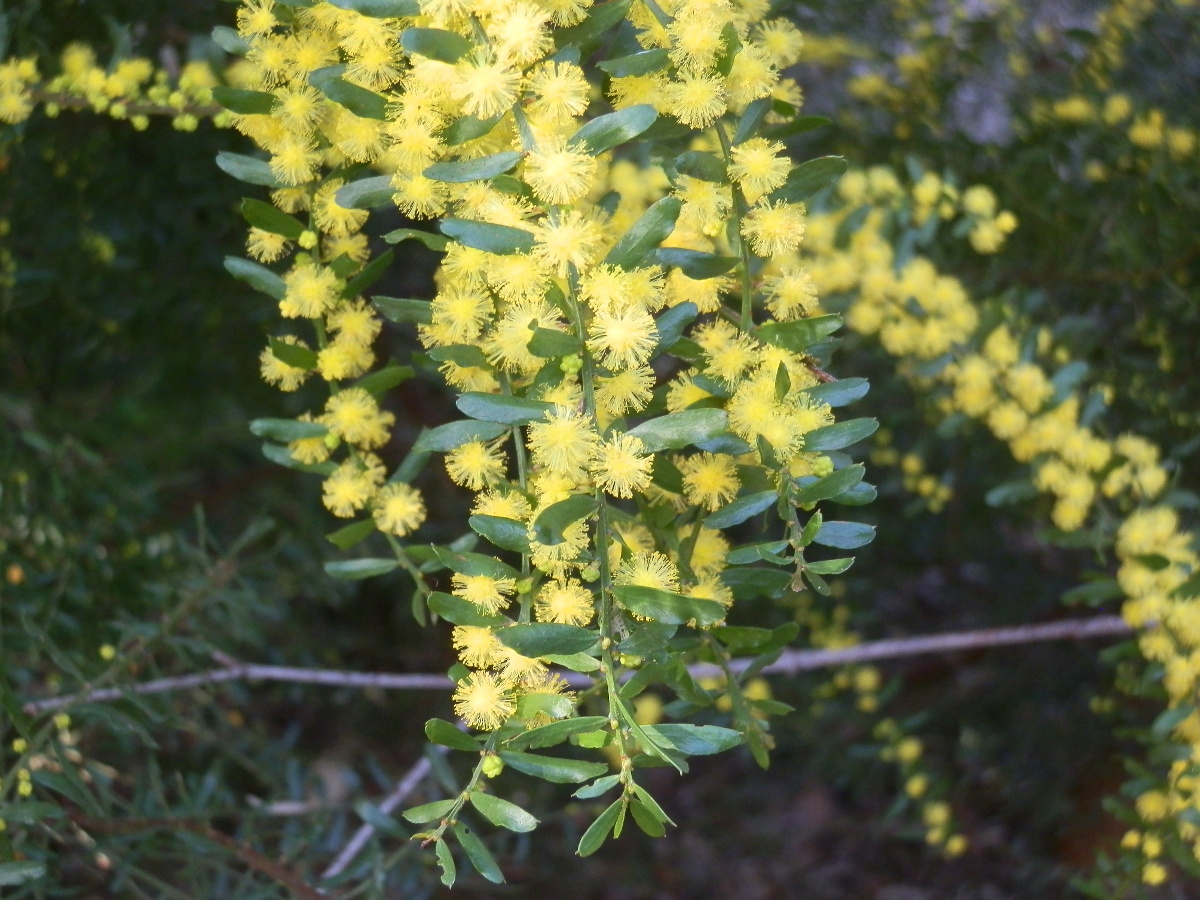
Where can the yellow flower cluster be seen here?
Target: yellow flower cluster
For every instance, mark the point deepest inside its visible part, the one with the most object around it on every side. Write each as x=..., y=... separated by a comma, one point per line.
x=132, y=88
x=907, y=754
x=536, y=305
x=916, y=479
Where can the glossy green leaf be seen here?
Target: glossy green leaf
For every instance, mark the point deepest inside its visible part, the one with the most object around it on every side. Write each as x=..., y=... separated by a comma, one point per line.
x=702, y=165
x=642, y=63
x=380, y=9
x=844, y=536
x=751, y=119
x=671, y=323
x=246, y=103
x=464, y=170
x=249, y=169
x=507, y=534
x=358, y=569
x=258, y=277
x=555, y=732
x=741, y=509
x=800, y=334
x=445, y=858
x=550, y=524
x=640, y=242
x=552, y=768
x=830, y=566
x=598, y=787
x=439, y=731
x=695, y=264
x=473, y=563
x=398, y=310
x=385, y=379
x=293, y=355
x=540, y=638
x=839, y=435
x=601, y=17
x=462, y=612
x=548, y=343
x=468, y=128
x=287, y=430
x=350, y=535
x=365, y=104
x=33, y=811
x=605, y=132
x=676, y=430
x=809, y=177
x=479, y=855
x=371, y=272
x=751, y=553
x=813, y=489
x=502, y=408
x=460, y=354
x=499, y=239
x=280, y=455
x=651, y=804
x=696, y=740
x=435, y=43
x=502, y=813
x=366, y=193
x=453, y=435
x=428, y=812
x=435, y=242
x=668, y=607
x=748, y=583
x=230, y=41
x=597, y=833
x=537, y=706
x=842, y=392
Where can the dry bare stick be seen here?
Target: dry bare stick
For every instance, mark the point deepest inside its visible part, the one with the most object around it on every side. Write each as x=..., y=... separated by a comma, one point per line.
x=412, y=778
x=239, y=671
x=789, y=662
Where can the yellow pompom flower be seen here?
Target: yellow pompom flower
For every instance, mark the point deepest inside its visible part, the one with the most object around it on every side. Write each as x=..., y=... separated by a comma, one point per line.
x=622, y=338
x=653, y=570
x=343, y=358
x=352, y=485
x=476, y=464
x=621, y=465
x=310, y=450
x=626, y=392
x=564, y=443
x=696, y=100
x=266, y=246
x=399, y=509
x=487, y=86
x=568, y=241
x=477, y=647
x=332, y=218
x=510, y=505
x=508, y=344
x=774, y=229
x=759, y=166
x=560, y=92
x=310, y=291
x=355, y=417
x=710, y=480
x=791, y=294
x=484, y=701
x=560, y=173
x=275, y=371
x=564, y=602
x=490, y=594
